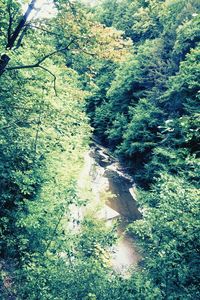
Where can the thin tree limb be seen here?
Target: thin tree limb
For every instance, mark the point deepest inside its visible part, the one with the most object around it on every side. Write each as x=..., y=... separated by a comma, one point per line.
x=54, y=78
x=37, y=64
x=54, y=231
x=43, y=29
x=36, y=137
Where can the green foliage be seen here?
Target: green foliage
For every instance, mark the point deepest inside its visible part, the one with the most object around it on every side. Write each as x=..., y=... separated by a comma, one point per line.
x=149, y=117
x=182, y=96
x=115, y=132
x=95, y=238
x=138, y=19
x=143, y=102
x=141, y=133
x=187, y=37
x=44, y=133
x=170, y=236
x=164, y=70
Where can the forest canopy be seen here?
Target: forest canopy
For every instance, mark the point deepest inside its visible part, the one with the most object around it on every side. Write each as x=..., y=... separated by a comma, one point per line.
x=127, y=72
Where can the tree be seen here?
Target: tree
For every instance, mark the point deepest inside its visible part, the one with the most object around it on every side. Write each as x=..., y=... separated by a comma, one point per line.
x=44, y=133
x=169, y=235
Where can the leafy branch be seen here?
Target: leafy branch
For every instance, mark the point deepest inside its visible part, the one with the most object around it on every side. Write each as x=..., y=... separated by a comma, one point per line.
x=40, y=61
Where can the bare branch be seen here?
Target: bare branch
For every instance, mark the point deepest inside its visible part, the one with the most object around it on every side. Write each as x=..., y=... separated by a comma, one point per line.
x=37, y=64
x=56, y=51
x=72, y=7
x=85, y=51
x=54, y=78
x=43, y=29
x=17, y=122
x=54, y=231
x=3, y=107
x=37, y=136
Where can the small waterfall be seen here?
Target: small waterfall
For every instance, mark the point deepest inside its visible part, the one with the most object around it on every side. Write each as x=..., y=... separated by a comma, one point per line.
x=107, y=177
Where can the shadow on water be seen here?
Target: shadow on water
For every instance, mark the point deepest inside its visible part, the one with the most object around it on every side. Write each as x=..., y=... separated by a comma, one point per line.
x=123, y=201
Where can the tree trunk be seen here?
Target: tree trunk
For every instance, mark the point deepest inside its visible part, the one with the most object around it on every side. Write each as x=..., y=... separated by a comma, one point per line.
x=20, y=26
x=4, y=60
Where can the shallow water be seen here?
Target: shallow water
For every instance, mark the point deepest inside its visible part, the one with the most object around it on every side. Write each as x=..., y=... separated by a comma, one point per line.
x=108, y=178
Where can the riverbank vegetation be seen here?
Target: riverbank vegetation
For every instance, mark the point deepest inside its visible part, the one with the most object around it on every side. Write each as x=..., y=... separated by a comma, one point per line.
x=147, y=111
x=131, y=69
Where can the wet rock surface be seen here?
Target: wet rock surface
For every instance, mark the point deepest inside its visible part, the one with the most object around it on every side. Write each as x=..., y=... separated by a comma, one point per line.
x=107, y=175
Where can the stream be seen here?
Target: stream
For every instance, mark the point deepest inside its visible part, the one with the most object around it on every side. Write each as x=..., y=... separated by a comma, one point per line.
x=113, y=187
